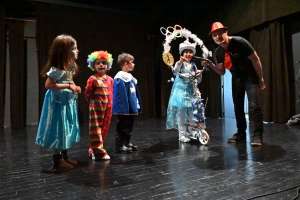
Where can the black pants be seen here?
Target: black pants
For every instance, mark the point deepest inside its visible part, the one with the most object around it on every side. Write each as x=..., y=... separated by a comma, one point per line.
x=125, y=125
x=238, y=94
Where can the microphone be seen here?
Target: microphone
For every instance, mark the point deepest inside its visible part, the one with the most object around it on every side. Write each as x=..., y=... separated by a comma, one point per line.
x=201, y=58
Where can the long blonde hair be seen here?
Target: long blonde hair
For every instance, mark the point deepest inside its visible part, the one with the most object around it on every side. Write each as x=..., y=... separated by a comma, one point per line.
x=60, y=56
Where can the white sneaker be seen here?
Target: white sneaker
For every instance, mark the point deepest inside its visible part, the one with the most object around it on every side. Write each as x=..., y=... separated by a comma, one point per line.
x=183, y=137
x=92, y=156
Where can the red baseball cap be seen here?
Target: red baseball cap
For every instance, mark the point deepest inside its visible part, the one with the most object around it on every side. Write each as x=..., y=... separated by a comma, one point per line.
x=216, y=26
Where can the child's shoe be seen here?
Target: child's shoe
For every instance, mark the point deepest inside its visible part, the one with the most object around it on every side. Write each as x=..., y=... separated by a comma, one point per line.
x=91, y=154
x=120, y=145
x=128, y=143
x=59, y=163
x=64, y=165
x=70, y=161
x=133, y=147
x=123, y=149
x=106, y=157
x=183, y=137
x=64, y=155
x=101, y=156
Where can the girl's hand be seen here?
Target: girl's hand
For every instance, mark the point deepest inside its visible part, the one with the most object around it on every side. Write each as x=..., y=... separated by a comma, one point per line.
x=78, y=89
x=75, y=88
x=181, y=60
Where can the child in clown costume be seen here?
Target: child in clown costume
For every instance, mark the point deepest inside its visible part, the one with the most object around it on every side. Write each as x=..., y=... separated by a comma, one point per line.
x=99, y=94
x=180, y=111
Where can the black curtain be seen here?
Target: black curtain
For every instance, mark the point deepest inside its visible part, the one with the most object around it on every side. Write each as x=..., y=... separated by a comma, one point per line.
x=18, y=74
x=116, y=33
x=2, y=64
x=140, y=36
x=272, y=42
x=246, y=14
x=210, y=89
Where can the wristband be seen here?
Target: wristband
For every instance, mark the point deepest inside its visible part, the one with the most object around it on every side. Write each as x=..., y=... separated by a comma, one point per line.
x=69, y=86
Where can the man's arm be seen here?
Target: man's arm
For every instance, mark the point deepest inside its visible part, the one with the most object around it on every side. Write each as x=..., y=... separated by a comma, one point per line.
x=258, y=68
x=219, y=68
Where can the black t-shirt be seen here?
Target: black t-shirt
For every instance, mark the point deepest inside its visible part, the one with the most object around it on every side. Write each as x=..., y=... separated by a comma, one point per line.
x=242, y=69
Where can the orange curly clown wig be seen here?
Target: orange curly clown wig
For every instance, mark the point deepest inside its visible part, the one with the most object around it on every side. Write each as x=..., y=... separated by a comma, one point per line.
x=98, y=55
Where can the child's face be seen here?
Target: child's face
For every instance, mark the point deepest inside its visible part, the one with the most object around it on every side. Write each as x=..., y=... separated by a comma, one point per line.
x=128, y=66
x=101, y=66
x=74, y=52
x=188, y=55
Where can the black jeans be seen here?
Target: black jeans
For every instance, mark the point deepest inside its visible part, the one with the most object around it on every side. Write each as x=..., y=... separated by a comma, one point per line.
x=238, y=95
x=125, y=125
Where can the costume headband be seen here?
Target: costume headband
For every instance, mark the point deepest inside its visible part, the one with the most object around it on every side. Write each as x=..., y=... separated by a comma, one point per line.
x=177, y=31
x=98, y=55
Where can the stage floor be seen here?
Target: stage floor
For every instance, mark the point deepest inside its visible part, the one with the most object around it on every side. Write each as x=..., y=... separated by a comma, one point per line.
x=163, y=168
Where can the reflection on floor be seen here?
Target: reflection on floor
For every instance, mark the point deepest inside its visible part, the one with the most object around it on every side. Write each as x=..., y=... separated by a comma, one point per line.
x=163, y=168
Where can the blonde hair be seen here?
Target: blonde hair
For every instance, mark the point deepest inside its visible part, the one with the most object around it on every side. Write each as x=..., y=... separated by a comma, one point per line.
x=123, y=58
x=60, y=56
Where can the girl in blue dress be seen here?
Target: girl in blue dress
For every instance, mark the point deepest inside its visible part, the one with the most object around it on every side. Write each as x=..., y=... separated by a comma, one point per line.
x=59, y=127
x=179, y=112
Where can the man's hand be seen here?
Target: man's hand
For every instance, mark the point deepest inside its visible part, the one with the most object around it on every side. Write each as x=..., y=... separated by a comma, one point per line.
x=261, y=84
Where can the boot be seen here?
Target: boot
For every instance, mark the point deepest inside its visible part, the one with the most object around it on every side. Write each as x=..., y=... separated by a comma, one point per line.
x=128, y=143
x=55, y=161
x=120, y=147
x=64, y=165
x=67, y=159
x=59, y=163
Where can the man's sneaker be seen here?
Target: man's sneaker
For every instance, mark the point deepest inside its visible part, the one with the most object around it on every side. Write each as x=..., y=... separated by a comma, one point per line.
x=256, y=140
x=238, y=137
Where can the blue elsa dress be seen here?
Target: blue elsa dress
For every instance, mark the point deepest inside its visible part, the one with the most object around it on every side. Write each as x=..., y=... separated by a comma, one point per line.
x=180, y=110
x=59, y=126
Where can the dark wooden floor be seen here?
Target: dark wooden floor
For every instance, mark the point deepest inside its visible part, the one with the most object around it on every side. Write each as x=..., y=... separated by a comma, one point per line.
x=163, y=168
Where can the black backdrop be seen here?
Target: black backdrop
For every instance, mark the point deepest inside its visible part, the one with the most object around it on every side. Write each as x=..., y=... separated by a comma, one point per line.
x=2, y=64
x=265, y=23
x=115, y=33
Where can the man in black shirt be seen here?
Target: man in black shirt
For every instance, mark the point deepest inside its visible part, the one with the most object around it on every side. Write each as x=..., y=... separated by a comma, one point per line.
x=238, y=56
